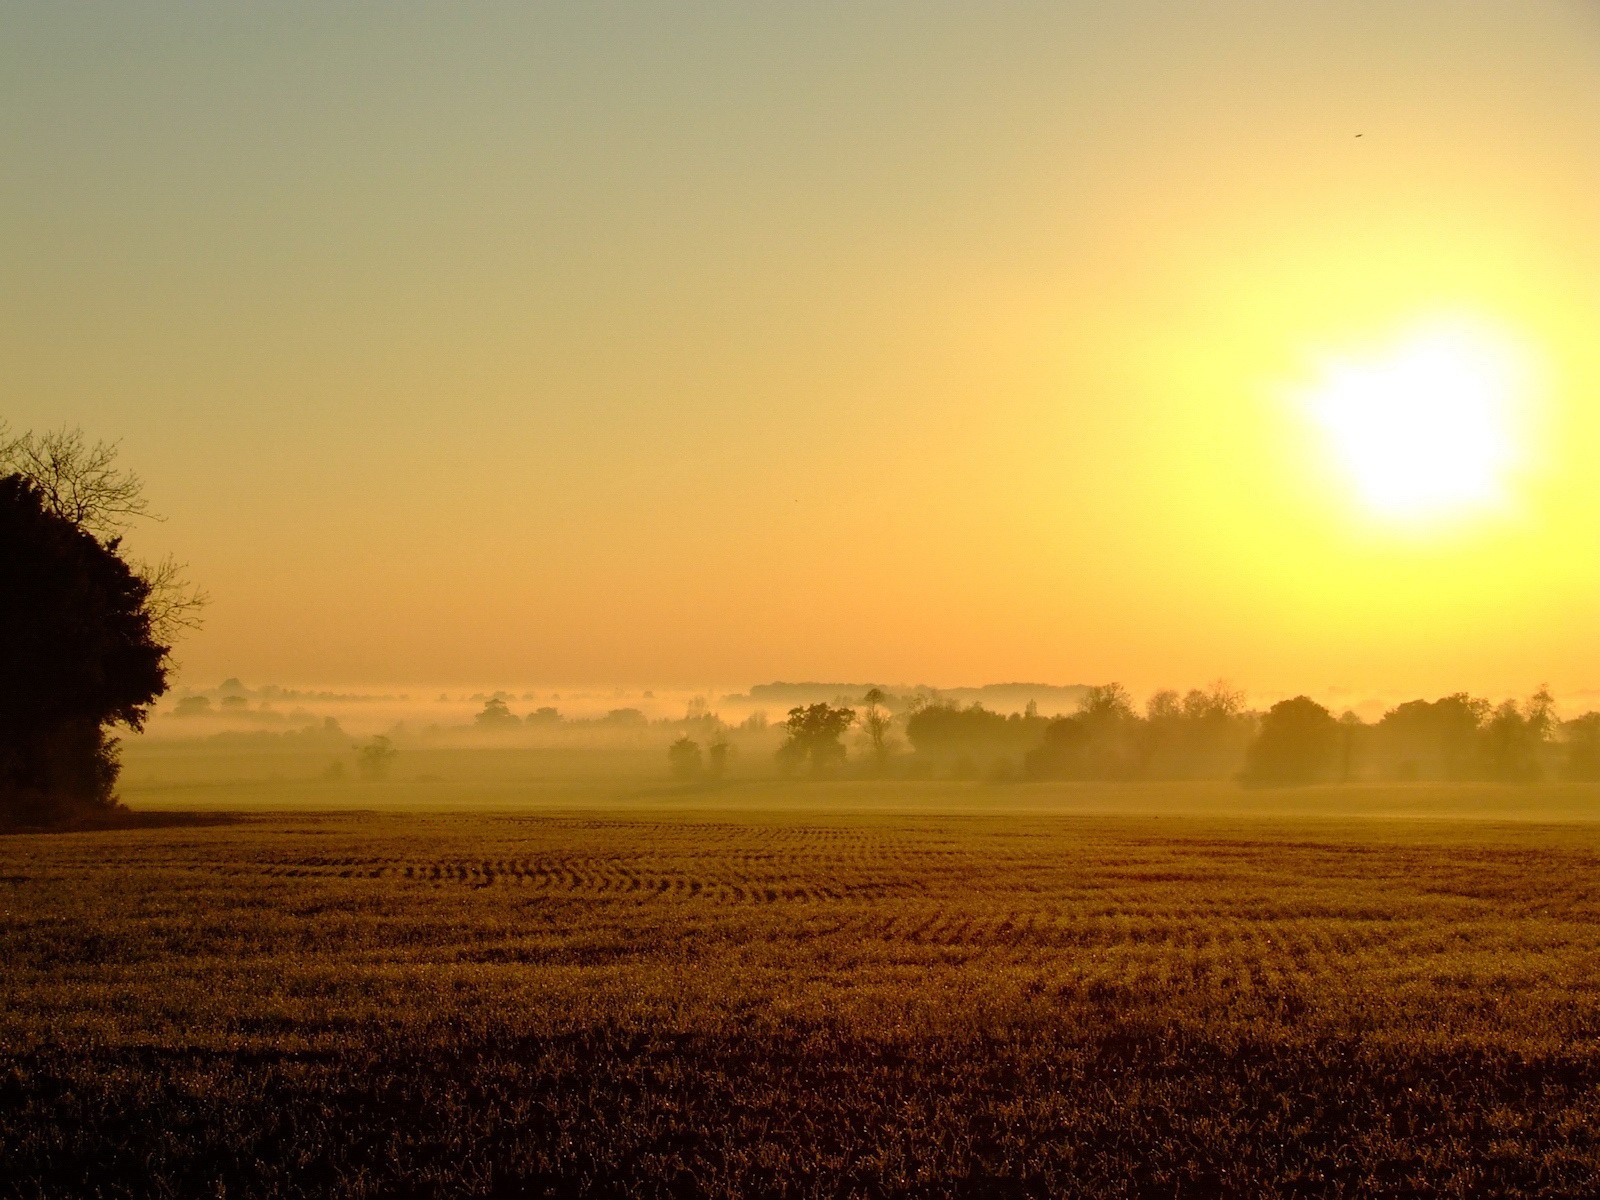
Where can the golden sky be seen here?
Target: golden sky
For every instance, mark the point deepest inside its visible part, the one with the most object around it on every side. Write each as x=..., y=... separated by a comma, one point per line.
x=920, y=342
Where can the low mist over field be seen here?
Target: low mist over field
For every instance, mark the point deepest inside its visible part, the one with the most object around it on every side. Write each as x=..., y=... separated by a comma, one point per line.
x=236, y=705
x=994, y=733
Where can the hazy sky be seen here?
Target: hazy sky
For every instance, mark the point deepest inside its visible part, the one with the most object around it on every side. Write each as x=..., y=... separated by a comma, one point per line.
x=927, y=342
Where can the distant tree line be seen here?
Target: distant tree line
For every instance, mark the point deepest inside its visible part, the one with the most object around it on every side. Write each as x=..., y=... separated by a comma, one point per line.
x=1202, y=734
x=1457, y=737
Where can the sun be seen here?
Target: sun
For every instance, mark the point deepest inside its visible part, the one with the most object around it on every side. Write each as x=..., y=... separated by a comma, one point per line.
x=1428, y=426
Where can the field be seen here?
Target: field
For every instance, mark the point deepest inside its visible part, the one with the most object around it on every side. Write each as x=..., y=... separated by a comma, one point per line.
x=809, y=990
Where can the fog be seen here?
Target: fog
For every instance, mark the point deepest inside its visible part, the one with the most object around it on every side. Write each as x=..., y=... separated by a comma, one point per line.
x=350, y=741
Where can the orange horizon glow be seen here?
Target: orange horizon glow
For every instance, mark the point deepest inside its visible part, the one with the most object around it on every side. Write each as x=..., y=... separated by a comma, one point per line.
x=1068, y=345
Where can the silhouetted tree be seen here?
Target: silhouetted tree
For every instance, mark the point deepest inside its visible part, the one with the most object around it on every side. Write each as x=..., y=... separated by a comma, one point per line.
x=80, y=481
x=963, y=737
x=700, y=723
x=1582, y=738
x=1163, y=707
x=875, y=723
x=813, y=734
x=77, y=480
x=1299, y=742
x=1099, y=741
x=718, y=755
x=77, y=654
x=1105, y=704
x=1200, y=735
x=683, y=757
x=1432, y=740
x=496, y=715
x=1515, y=736
x=375, y=759
x=1352, y=729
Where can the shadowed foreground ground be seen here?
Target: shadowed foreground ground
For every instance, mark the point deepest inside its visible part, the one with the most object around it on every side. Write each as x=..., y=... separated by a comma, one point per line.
x=728, y=1004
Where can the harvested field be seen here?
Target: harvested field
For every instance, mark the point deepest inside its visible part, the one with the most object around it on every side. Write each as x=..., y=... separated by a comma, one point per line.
x=740, y=1002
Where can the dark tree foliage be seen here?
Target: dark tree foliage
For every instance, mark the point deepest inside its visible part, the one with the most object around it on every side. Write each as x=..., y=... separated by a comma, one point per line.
x=1300, y=742
x=684, y=758
x=1432, y=740
x=1099, y=741
x=77, y=654
x=1462, y=737
x=1200, y=735
x=496, y=715
x=814, y=734
x=80, y=481
x=375, y=759
x=1582, y=735
x=943, y=729
x=876, y=723
x=1514, y=738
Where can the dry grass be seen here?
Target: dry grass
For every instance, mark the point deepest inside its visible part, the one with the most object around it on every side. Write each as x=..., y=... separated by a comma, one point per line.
x=666, y=1001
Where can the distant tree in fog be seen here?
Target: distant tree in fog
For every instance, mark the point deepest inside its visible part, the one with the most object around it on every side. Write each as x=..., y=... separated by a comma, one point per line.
x=1163, y=707
x=813, y=734
x=1299, y=742
x=1106, y=704
x=375, y=758
x=1202, y=734
x=718, y=755
x=1099, y=741
x=875, y=723
x=1582, y=738
x=1437, y=739
x=683, y=757
x=1515, y=736
x=969, y=741
x=1463, y=737
x=544, y=716
x=1352, y=736
x=496, y=715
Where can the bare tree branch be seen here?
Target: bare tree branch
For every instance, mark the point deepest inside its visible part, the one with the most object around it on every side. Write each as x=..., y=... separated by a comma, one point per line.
x=79, y=480
x=175, y=605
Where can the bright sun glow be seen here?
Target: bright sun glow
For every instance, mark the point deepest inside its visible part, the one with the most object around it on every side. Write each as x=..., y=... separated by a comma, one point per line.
x=1427, y=427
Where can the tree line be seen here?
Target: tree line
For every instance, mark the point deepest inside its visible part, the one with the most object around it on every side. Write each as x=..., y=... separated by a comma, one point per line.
x=86, y=637
x=1202, y=734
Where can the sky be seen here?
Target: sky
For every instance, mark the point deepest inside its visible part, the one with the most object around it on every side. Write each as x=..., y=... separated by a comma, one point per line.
x=656, y=344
